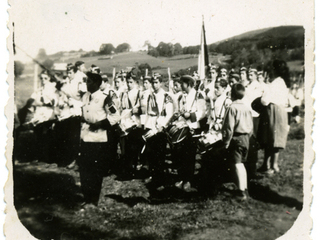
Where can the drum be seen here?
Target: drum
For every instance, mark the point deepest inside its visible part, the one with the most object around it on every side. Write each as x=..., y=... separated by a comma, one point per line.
x=207, y=141
x=127, y=125
x=178, y=132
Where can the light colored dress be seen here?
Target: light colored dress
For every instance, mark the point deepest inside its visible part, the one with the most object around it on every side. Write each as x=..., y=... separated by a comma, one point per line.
x=273, y=126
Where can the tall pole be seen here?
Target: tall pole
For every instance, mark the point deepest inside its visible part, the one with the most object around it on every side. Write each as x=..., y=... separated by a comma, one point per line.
x=35, y=77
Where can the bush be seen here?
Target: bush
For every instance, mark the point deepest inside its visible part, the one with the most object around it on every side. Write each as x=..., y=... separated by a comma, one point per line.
x=18, y=68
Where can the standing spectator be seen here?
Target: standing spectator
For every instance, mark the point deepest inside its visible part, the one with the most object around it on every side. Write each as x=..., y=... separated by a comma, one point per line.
x=254, y=90
x=236, y=131
x=244, y=76
x=273, y=126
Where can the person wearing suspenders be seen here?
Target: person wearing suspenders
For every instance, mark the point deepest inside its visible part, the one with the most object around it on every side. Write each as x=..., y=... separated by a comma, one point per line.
x=132, y=142
x=159, y=112
x=192, y=108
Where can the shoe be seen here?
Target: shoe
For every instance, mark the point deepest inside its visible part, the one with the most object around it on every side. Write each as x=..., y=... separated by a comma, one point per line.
x=262, y=169
x=255, y=177
x=161, y=188
x=148, y=180
x=187, y=187
x=71, y=165
x=179, y=184
x=241, y=196
x=268, y=171
x=276, y=169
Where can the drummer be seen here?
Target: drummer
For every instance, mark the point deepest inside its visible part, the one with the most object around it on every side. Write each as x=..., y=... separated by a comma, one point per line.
x=192, y=109
x=146, y=91
x=159, y=112
x=45, y=104
x=80, y=76
x=177, y=93
x=219, y=105
x=70, y=115
x=131, y=124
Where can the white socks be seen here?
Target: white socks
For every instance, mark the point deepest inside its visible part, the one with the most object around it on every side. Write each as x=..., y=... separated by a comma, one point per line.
x=241, y=176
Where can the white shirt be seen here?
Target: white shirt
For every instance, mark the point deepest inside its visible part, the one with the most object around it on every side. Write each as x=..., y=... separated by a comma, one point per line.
x=46, y=99
x=194, y=104
x=276, y=92
x=164, y=104
x=95, y=110
x=253, y=91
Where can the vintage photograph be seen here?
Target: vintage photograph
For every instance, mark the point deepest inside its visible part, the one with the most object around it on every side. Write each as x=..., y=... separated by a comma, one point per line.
x=160, y=119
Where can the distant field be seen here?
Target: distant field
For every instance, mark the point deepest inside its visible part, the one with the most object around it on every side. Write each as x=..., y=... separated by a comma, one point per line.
x=24, y=84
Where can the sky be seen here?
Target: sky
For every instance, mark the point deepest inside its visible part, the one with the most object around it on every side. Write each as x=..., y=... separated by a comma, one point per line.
x=63, y=25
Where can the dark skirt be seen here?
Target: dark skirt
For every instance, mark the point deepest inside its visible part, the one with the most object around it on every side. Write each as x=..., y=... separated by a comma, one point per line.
x=273, y=127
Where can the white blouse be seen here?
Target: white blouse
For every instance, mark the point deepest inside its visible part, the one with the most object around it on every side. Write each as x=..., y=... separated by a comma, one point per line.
x=276, y=92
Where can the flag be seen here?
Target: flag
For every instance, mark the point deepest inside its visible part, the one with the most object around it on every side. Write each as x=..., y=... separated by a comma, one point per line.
x=203, y=59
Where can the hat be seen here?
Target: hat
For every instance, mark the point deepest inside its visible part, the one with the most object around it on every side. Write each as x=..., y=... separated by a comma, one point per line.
x=223, y=70
x=236, y=76
x=213, y=67
x=94, y=77
x=157, y=76
x=78, y=63
x=148, y=78
x=95, y=68
x=104, y=77
x=187, y=79
x=243, y=69
x=252, y=70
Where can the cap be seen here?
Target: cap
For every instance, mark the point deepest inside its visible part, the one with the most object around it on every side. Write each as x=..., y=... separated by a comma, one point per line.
x=187, y=79
x=157, y=76
x=78, y=63
x=243, y=69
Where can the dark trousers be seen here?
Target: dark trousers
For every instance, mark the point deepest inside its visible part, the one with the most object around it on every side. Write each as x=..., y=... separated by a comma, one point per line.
x=93, y=164
x=183, y=154
x=113, y=139
x=68, y=138
x=46, y=142
x=155, y=153
x=133, y=144
x=252, y=158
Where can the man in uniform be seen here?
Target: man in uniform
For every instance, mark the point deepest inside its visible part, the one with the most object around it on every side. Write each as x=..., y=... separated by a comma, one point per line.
x=94, y=160
x=159, y=112
x=192, y=109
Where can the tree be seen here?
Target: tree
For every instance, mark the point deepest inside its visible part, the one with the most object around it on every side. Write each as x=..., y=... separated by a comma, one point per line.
x=18, y=68
x=48, y=63
x=164, y=49
x=106, y=48
x=142, y=67
x=177, y=49
x=42, y=55
x=123, y=47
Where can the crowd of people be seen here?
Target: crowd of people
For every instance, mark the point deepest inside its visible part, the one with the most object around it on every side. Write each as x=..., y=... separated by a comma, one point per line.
x=132, y=123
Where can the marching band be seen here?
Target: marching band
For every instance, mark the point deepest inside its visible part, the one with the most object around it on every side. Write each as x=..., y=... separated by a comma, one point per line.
x=129, y=127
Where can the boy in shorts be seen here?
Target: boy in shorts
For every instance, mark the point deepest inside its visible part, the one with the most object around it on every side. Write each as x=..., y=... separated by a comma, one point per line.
x=236, y=131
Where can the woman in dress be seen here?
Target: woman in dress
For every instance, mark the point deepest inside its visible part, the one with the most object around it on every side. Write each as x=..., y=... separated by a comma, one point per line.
x=273, y=126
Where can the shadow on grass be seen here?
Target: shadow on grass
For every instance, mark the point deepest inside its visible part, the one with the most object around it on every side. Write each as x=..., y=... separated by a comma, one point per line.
x=266, y=194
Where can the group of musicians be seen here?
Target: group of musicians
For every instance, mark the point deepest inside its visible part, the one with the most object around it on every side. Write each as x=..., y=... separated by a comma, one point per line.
x=96, y=119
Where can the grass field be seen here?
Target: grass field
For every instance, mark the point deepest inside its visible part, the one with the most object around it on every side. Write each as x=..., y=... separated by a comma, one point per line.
x=47, y=199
